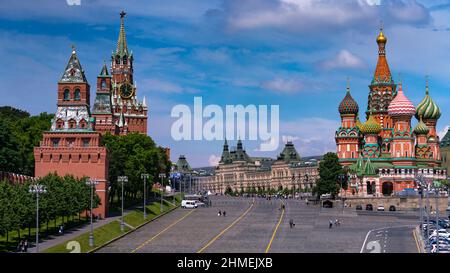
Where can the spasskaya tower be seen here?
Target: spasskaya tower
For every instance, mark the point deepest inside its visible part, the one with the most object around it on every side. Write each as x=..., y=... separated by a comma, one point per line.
x=128, y=113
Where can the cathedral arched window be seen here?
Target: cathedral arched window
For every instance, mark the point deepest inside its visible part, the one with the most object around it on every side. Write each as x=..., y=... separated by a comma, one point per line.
x=125, y=60
x=72, y=124
x=77, y=94
x=66, y=94
x=59, y=124
x=117, y=60
x=82, y=124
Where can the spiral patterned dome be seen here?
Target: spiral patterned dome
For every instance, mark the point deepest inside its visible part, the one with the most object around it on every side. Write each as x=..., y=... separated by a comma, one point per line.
x=348, y=105
x=427, y=108
x=421, y=128
x=401, y=105
x=371, y=126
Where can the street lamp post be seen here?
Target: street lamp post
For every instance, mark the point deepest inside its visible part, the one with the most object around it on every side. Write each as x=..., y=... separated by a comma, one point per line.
x=145, y=176
x=37, y=189
x=122, y=179
x=436, y=192
x=91, y=183
x=162, y=176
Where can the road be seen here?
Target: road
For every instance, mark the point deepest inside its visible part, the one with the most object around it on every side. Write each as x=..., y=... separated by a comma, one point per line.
x=257, y=225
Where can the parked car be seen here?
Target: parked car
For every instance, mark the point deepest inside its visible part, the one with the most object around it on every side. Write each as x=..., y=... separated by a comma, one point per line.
x=369, y=207
x=380, y=208
x=392, y=208
x=188, y=204
x=442, y=233
x=358, y=207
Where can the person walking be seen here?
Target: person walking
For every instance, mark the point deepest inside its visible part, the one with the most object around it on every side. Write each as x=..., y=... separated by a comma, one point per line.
x=336, y=222
x=25, y=244
x=331, y=223
x=291, y=223
x=224, y=213
x=19, y=247
x=219, y=214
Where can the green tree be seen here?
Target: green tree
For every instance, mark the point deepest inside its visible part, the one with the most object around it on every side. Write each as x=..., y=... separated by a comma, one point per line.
x=9, y=157
x=329, y=169
x=132, y=155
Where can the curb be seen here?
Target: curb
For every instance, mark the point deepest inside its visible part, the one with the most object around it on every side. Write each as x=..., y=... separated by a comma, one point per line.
x=128, y=232
x=418, y=236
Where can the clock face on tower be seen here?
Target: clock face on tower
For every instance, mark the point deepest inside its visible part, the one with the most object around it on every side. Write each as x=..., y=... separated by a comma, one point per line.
x=126, y=90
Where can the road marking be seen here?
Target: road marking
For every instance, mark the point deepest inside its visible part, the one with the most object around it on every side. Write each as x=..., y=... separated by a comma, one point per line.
x=373, y=230
x=227, y=228
x=275, y=231
x=416, y=240
x=162, y=231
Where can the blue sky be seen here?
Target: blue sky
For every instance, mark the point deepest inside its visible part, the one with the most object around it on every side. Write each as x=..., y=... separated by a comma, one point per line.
x=294, y=53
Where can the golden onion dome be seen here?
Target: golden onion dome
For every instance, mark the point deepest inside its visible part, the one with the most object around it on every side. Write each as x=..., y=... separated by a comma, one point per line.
x=381, y=39
x=421, y=128
x=371, y=126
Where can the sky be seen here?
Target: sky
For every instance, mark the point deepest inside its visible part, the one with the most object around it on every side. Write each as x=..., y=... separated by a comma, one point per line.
x=293, y=53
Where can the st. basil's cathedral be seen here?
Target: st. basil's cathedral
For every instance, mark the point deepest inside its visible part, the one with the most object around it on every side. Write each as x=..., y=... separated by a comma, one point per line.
x=72, y=146
x=384, y=154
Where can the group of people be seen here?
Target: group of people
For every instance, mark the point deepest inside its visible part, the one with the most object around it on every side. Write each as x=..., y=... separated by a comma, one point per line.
x=23, y=246
x=336, y=223
x=220, y=213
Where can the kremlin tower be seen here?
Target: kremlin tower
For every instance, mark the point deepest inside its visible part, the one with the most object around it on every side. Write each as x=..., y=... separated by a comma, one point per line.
x=117, y=109
x=384, y=154
x=72, y=146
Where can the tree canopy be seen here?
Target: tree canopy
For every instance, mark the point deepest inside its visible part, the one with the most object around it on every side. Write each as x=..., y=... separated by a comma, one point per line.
x=329, y=169
x=133, y=155
x=19, y=134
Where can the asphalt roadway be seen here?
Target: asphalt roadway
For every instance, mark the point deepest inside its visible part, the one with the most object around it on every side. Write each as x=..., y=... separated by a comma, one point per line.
x=257, y=225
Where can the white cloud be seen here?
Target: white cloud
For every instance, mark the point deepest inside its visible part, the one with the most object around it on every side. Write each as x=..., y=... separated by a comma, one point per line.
x=213, y=160
x=315, y=136
x=344, y=59
x=326, y=15
x=286, y=138
x=283, y=86
x=158, y=85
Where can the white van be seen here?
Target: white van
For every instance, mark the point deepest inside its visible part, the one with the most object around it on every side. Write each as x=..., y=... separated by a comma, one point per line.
x=188, y=204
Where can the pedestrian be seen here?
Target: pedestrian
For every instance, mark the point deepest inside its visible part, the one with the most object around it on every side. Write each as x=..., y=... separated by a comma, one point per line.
x=331, y=223
x=219, y=214
x=19, y=247
x=22, y=246
x=291, y=223
x=25, y=244
x=224, y=213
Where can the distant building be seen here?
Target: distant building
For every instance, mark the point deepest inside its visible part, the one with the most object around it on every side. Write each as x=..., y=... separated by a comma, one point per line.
x=445, y=151
x=240, y=172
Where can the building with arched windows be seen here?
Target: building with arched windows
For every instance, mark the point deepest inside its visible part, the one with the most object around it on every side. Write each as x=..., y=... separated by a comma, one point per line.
x=385, y=153
x=242, y=173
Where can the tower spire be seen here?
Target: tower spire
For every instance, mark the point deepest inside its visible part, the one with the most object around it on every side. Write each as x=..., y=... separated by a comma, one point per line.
x=122, y=48
x=348, y=84
x=426, y=85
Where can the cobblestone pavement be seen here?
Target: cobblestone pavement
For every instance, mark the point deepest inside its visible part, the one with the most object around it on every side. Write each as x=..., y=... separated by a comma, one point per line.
x=250, y=228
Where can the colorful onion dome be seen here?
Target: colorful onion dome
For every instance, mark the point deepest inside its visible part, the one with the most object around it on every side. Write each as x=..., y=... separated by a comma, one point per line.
x=421, y=128
x=371, y=126
x=427, y=108
x=348, y=105
x=401, y=105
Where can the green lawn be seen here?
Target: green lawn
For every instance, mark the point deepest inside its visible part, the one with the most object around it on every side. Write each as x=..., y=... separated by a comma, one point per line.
x=110, y=231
